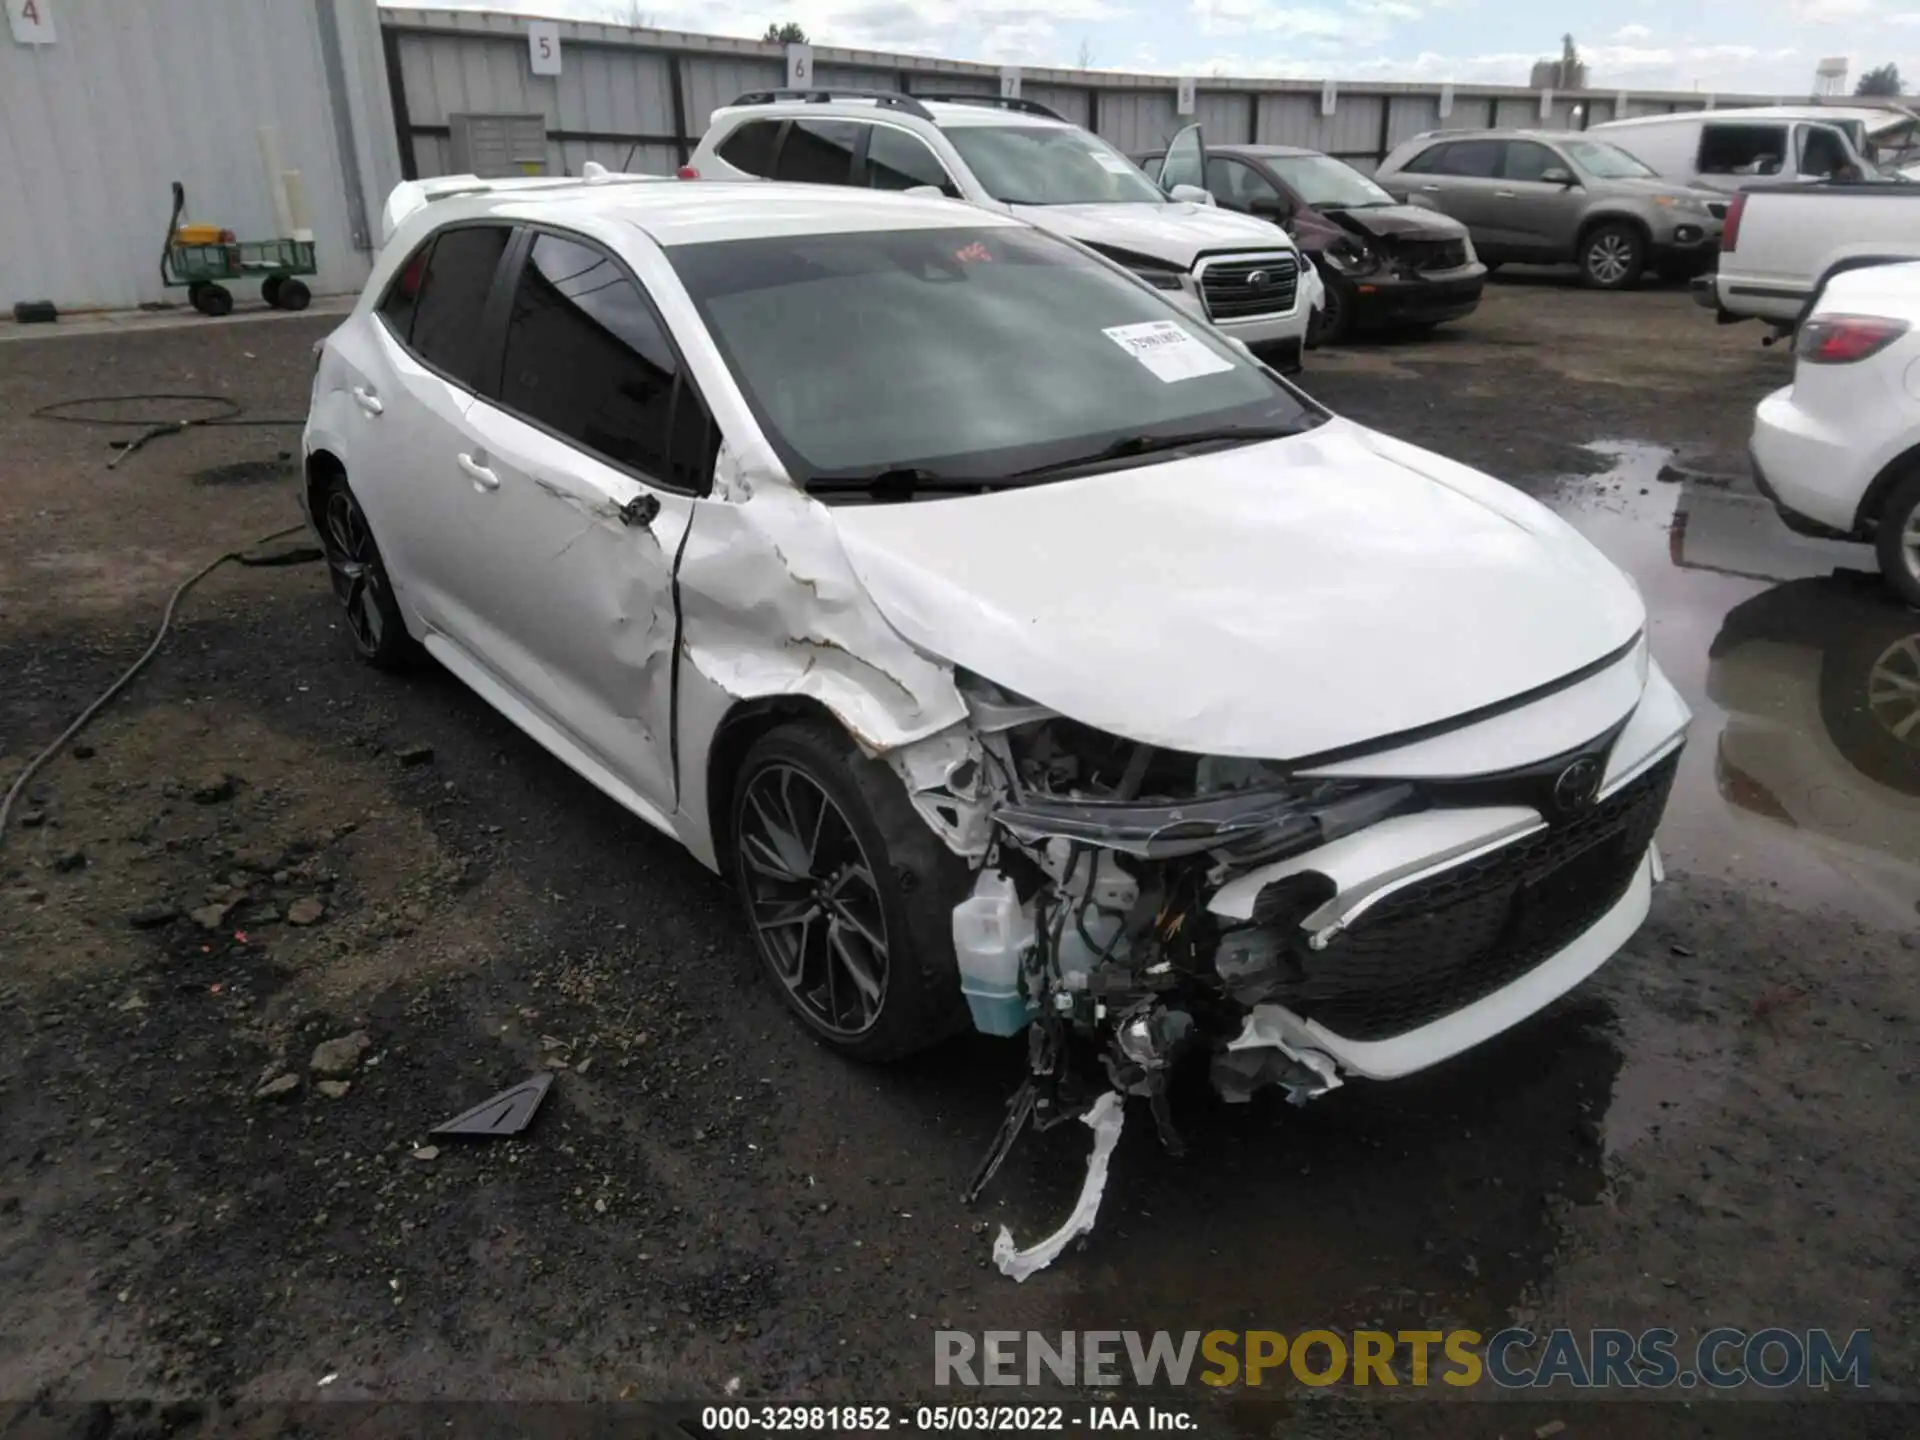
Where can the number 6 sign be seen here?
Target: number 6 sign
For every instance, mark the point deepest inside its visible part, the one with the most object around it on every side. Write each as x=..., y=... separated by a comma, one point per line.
x=799, y=67
x=543, y=47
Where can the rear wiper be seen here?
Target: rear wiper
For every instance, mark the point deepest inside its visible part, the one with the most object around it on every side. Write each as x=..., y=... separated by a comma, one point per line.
x=902, y=482
x=1128, y=446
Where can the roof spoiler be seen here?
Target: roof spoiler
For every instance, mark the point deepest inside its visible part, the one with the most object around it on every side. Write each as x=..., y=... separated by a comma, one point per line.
x=411, y=195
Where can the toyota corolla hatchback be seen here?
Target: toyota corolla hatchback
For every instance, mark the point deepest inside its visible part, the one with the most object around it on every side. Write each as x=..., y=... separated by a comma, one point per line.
x=1026, y=654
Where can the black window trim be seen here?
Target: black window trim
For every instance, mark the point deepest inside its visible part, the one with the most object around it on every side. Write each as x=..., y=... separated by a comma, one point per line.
x=494, y=355
x=432, y=243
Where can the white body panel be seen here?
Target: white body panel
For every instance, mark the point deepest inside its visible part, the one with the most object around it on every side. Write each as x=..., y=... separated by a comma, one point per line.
x=1823, y=440
x=1237, y=603
x=1791, y=239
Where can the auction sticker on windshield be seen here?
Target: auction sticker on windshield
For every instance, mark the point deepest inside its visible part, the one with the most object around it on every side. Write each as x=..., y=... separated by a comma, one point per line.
x=1168, y=349
x=1112, y=163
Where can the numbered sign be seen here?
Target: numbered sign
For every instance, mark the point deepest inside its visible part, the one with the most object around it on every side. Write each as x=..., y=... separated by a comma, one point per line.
x=1187, y=101
x=1446, y=101
x=32, y=21
x=799, y=67
x=543, y=46
x=1620, y=106
x=1327, y=92
x=1010, y=83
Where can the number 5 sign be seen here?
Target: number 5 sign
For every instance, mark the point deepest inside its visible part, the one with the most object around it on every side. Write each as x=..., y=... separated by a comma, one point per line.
x=32, y=21
x=543, y=46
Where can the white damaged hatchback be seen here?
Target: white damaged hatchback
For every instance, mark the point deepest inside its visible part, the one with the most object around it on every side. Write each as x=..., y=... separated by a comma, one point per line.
x=1027, y=654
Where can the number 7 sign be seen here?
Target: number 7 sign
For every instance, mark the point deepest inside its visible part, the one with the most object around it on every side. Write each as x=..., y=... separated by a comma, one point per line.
x=32, y=21
x=543, y=47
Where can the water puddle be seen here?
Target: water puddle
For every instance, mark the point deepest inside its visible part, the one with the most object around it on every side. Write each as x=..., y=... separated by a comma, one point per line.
x=1803, y=771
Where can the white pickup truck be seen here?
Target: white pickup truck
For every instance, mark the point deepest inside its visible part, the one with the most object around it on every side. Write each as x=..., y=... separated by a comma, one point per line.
x=1780, y=245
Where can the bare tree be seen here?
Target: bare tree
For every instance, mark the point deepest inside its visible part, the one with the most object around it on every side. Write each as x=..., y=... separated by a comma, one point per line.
x=1084, y=60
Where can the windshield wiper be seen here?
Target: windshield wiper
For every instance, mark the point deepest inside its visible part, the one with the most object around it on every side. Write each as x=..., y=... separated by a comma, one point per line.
x=902, y=482
x=1127, y=446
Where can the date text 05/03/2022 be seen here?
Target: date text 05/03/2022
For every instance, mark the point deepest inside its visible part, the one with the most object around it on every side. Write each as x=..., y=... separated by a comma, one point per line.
x=973, y=1419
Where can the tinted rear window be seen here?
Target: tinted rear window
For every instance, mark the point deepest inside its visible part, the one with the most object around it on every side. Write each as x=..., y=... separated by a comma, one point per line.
x=750, y=148
x=819, y=152
x=446, y=320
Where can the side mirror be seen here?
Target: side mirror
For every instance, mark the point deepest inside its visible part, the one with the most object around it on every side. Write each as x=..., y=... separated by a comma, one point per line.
x=1557, y=175
x=1191, y=194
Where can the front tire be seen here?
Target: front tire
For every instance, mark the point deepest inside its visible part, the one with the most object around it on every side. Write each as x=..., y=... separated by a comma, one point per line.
x=360, y=581
x=1897, y=540
x=1613, y=257
x=848, y=894
x=1333, y=322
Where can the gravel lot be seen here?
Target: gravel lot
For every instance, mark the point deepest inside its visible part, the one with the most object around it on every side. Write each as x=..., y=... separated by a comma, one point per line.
x=1718, y=1130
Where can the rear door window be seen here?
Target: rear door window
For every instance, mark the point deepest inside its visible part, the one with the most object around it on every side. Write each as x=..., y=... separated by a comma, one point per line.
x=451, y=296
x=751, y=147
x=1428, y=160
x=588, y=358
x=1472, y=159
x=819, y=152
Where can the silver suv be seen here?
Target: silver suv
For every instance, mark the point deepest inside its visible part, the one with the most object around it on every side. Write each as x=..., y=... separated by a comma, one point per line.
x=1546, y=197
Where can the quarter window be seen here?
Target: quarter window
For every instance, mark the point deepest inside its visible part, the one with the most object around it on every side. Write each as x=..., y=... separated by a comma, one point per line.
x=587, y=357
x=450, y=295
x=818, y=152
x=1428, y=160
x=403, y=292
x=751, y=147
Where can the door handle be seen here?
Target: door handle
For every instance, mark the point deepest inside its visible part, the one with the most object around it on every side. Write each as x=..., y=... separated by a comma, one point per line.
x=367, y=400
x=1431, y=189
x=1503, y=194
x=482, y=477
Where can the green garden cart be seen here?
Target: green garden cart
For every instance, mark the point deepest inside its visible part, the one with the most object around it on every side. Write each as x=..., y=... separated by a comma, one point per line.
x=201, y=256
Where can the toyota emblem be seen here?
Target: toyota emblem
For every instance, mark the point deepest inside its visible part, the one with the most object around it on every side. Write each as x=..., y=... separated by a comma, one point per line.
x=1259, y=280
x=1576, y=786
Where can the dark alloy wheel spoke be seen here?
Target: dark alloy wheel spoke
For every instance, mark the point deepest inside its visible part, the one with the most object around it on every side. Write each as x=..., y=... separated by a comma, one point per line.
x=813, y=900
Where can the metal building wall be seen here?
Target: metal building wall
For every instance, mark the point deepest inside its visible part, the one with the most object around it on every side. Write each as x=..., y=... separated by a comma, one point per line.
x=452, y=61
x=129, y=97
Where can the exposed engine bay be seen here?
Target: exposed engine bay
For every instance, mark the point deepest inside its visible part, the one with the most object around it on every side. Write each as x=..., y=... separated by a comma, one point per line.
x=1097, y=923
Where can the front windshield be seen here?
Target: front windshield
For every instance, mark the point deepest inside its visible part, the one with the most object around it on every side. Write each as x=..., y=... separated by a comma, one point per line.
x=967, y=354
x=1326, y=184
x=1604, y=161
x=1050, y=165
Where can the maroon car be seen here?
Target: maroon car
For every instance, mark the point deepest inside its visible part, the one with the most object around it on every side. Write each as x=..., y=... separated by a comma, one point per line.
x=1384, y=264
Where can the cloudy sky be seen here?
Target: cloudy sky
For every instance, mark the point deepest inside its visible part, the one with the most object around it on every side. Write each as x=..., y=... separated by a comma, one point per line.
x=1712, y=45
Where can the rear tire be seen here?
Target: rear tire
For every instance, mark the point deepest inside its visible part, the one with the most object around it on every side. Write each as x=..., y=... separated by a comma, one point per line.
x=270, y=290
x=848, y=894
x=360, y=582
x=1613, y=256
x=293, y=294
x=1897, y=540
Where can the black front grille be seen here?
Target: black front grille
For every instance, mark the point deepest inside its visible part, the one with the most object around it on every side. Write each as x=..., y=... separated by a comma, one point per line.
x=1239, y=289
x=1419, y=255
x=1456, y=937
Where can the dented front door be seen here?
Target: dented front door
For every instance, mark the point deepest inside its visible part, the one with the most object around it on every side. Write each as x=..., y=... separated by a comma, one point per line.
x=573, y=587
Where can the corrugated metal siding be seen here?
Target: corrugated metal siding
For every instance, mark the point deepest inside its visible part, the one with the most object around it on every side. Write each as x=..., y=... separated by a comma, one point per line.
x=478, y=60
x=131, y=97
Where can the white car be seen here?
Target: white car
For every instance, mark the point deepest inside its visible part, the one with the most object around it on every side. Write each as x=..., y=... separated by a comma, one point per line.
x=1838, y=450
x=1017, y=156
x=1023, y=650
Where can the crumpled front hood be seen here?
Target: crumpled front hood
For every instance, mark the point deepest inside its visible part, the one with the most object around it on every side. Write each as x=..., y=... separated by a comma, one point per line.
x=1397, y=220
x=1177, y=233
x=1276, y=601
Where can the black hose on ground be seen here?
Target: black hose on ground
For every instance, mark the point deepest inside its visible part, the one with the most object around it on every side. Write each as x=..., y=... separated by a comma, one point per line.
x=227, y=413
